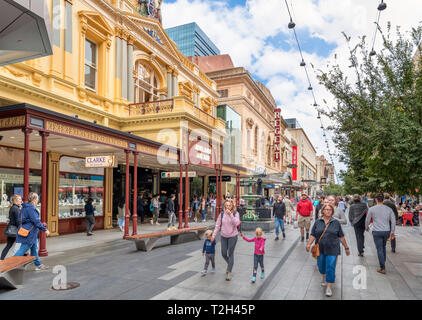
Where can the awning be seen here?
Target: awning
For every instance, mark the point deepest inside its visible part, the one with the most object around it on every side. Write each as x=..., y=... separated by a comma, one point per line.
x=25, y=31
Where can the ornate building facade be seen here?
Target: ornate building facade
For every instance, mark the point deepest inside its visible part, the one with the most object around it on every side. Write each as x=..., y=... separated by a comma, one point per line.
x=114, y=82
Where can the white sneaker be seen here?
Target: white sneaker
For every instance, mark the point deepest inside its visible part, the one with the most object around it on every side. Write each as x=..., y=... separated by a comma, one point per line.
x=323, y=284
x=328, y=292
x=157, y=223
x=152, y=222
x=204, y=220
x=41, y=267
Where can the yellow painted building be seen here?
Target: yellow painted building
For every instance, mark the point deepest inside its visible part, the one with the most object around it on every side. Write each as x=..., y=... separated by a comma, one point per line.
x=116, y=69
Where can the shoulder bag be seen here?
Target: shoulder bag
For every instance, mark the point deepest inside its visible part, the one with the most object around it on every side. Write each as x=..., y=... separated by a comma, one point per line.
x=22, y=231
x=11, y=231
x=315, y=247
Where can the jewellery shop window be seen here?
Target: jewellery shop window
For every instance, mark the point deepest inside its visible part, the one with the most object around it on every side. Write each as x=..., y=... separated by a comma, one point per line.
x=76, y=185
x=11, y=182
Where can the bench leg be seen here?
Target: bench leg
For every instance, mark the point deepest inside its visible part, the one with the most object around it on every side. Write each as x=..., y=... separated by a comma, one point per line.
x=12, y=278
x=200, y=234
x=145, y=245
x=174, y=239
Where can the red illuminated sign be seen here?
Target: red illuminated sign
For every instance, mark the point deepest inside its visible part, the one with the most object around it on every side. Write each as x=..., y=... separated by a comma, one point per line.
x=294, y=161
x=277, y=135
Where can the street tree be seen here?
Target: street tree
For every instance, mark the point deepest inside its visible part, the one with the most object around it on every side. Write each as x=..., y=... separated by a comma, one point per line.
x=377, y=119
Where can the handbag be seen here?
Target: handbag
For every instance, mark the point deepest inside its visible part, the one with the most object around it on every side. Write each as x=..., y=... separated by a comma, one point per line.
x=11, y=231
x=22, y=231
x=315, y=247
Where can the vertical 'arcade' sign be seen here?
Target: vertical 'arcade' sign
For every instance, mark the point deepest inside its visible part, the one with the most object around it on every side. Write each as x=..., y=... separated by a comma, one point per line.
x=294, y=161
x=277, y=155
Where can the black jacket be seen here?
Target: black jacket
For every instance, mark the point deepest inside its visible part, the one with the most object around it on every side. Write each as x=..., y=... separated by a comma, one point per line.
x=356, y=211
x=393, y=207
x=170, y=206
x=13, y=215
x=279, y=209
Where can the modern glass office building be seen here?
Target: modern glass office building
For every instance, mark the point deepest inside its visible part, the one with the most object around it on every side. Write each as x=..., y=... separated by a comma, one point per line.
x=192, y=41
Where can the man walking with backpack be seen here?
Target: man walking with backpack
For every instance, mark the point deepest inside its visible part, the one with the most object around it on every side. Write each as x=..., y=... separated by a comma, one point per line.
x=304, y=211
x=279, y=216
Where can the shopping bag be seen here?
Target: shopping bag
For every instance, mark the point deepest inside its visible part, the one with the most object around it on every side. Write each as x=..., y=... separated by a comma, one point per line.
x=295, y=225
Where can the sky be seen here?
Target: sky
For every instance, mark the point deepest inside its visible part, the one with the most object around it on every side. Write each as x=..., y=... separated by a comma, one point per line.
x=255, y=34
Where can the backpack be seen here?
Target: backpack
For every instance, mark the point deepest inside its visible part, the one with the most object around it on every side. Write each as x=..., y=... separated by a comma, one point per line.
x=238, y=227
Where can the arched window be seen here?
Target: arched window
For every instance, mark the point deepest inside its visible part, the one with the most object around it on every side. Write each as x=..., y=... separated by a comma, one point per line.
x=146, y=84
x=262, y=147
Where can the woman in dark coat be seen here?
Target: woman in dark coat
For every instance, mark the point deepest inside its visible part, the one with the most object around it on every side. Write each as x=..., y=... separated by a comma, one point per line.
x=13, y=221
x=357, y=216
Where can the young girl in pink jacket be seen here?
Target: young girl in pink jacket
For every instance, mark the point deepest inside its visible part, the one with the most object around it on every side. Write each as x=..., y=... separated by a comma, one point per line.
x=259, y=252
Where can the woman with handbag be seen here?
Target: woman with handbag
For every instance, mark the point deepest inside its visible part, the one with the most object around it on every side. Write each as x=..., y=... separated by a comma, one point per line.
x=329, y=233
x=12, y=227
x=28, y=228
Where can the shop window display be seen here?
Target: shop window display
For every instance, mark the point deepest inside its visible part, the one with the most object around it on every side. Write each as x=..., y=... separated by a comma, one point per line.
x=76, y=184
x=11, y=182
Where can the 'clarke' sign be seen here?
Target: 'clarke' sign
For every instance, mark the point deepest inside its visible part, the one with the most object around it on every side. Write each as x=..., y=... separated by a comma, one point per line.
x=99, y=162
x=277, y=135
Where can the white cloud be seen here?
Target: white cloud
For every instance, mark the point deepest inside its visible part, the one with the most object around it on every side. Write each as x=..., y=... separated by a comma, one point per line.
x=243, y=32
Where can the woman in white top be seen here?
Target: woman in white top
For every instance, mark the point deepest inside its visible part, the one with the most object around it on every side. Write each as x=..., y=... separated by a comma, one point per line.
x=338, y=212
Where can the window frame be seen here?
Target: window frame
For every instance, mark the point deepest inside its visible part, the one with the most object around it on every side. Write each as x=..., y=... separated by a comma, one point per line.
x=95, y=67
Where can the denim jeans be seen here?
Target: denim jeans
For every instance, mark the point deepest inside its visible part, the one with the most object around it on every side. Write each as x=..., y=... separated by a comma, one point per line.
x=258, y=259
x=34, y=252
x=121, y=222
x=279, y=222
x=380, y=239
x=327, y=266
x=204, y=216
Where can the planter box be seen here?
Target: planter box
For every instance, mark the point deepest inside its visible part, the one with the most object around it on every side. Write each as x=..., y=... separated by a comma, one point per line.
x=266, y=226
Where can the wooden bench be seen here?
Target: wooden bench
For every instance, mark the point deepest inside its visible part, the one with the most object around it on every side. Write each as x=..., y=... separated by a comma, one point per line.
x=146, y=242
x=12, y=270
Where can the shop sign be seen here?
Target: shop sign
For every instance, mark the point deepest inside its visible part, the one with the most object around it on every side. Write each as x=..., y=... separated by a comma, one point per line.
x=277, y=135
x=213, y=179
x=270, y=186
x=176, y=174
x=201, y=153
x=260, y=171
x=294, y=162
x=100, y=162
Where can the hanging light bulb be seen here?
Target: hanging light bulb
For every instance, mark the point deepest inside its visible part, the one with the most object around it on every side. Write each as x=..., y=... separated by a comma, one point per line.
x=382, y=6
x=319, y=117
x=302, y=64
x=316, y=105
x=372, y=53
x=310, y=87
x=291, y=24
x=322, y=127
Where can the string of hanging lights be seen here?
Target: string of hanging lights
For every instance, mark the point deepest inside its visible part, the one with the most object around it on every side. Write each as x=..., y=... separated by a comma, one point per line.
x=381, y=7
x=291, y=25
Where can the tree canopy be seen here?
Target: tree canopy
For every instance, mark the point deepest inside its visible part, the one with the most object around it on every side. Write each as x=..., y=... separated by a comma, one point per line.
x=378, y=114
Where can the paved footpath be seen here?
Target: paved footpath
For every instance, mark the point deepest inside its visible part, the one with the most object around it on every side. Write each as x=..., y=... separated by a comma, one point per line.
x=108, y=267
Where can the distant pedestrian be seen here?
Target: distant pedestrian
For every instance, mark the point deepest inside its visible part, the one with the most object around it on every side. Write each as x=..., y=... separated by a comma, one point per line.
x=258, y=253
x=89, y=216
x=389, y=203
x=357, y=217
x=195, y=208
x=338, y=212
x=203, y=209
x=171, y=213
x=140, y=203
x=156, y=209
x=289, y=208
x=241, y=208
x=121, y=208
x=12, y=226
x=213, y=203
x=208, y=251
x=383, y=227
x=227, y=224
x=304, y=210
x=329, y=233
x=29, y=219
x=319, y=206
x=341, y=204
x=279, y=211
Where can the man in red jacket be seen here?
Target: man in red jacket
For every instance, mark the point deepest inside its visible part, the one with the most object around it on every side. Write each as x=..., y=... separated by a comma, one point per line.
x=304, y=210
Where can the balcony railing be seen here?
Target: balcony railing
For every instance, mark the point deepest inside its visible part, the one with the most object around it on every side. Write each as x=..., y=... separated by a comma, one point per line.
x=144, y=108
